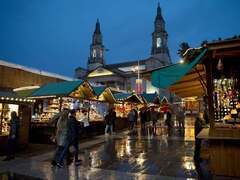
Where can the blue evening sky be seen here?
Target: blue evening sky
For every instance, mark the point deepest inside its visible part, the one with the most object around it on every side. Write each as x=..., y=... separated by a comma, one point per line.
x=54, y=35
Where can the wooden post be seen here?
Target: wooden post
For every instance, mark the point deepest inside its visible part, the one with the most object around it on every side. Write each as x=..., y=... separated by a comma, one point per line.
x=60, y=104
x=1, y=118
x=89, y=110
x=209, y=78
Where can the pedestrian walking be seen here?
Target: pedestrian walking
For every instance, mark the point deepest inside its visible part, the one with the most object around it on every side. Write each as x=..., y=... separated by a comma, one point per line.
x=109, y=123
x=113, y=116
x=131, y=119
x=168, y=117
x=181, y=118
x=13, y=136
x=143, y=118
x=71, y=140
x=135, y=115
x=61, y=134
x=205, y=115
x=154, y=118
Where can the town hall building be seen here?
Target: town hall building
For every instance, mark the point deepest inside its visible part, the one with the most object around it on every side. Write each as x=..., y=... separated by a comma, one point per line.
x=127, y=75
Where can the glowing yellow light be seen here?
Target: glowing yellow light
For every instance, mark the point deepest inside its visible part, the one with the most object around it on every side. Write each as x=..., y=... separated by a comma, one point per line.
x=100, y=72
x=181, y=61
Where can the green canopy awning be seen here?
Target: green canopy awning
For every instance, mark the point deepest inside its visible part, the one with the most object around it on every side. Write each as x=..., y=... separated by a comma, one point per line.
x=57, y=88
x=166, y=76
x=127, y=97
x=26, y=93
x=98, y=90
x=151, y=98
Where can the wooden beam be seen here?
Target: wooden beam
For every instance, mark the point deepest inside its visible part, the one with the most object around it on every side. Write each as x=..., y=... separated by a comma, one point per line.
x=193, y=88
x=209, y=78
x=184, y=85
x=190, y=93
x=194, y=78
x=224, y=44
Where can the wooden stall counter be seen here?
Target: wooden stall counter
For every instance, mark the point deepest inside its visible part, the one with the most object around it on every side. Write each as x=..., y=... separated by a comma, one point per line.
x=224, y=151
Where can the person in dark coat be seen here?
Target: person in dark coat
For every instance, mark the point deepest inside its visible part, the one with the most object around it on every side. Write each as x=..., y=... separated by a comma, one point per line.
x=205, y=115
x=143, y=118
x=113, y=116
x=169, y=119
x=154, y=118
x=135, y=116
x=72, y=139
x=131, y=119
x=109, y=124
x=13, y=136
x=198, y=126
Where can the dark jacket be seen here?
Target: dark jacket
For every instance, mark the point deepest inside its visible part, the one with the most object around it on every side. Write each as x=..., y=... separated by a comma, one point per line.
x=108, y=119
x=14, y=127
x=135, y=114
x=72, y=126
x=143, y=116
x=198, y=126
x=113, y=117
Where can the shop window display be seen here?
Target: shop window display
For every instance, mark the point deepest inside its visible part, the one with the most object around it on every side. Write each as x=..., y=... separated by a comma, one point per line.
x=226, y=94
x=5, y=116
x=45, y=109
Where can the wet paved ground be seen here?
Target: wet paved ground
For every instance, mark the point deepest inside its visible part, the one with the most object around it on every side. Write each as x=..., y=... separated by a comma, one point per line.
x=136, y=155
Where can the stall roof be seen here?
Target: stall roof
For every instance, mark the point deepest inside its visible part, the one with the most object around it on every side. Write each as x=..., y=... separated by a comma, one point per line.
x=184, y=80
x=104, y=94
x=75, y=89
x=127, y=97
x=169, y=75
x=26, y=93
x=151, y=97
x=98, y=90
x=12, y=96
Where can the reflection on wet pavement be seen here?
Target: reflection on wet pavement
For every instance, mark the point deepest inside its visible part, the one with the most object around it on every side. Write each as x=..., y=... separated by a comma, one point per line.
x=146, y=153
x=14, y=176
x=140, y=154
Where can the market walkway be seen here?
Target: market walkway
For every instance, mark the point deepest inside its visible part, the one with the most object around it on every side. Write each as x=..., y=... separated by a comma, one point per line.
x=135, y=155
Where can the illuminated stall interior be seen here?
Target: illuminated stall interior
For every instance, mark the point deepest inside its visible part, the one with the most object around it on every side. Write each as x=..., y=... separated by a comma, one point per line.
x=54, y=97
x=125, y=102
x=9, y=101
x=212, y=71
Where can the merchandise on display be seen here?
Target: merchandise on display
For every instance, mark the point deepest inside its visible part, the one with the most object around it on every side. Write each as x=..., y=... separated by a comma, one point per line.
x=5, y=116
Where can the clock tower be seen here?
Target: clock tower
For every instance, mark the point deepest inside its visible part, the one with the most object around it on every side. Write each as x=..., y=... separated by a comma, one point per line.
x=96, y=57
x=159, y=38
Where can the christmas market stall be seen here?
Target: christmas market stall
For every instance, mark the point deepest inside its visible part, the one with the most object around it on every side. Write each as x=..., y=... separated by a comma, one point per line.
x=9, y=102
x=151, y=98
x=212, y=71
x=53, y=98
x=117, y=100
x=126, y=102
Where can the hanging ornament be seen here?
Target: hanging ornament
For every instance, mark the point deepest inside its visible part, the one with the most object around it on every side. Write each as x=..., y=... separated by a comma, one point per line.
x=220, y=65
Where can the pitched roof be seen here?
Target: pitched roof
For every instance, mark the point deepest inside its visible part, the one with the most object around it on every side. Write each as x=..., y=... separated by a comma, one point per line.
x=150, y=97
x=98, y=90
x=128, y=97
x=57, y=88
x=35, y=71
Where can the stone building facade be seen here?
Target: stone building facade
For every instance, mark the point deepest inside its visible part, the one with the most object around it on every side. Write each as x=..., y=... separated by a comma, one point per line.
x=126, y=75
